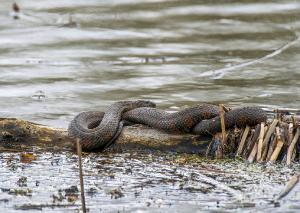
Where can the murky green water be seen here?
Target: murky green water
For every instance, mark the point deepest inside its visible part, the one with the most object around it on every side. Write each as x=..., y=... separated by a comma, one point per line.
x=175, y=53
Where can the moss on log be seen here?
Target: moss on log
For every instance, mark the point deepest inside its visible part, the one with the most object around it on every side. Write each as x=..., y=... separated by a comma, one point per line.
x=21, y=135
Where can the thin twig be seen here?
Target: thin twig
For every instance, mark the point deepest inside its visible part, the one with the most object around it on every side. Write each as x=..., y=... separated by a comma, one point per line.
x=222, y=124
x=81, y=176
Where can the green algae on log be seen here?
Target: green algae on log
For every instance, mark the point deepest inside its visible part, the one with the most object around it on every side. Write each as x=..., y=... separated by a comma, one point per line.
x=20, y=135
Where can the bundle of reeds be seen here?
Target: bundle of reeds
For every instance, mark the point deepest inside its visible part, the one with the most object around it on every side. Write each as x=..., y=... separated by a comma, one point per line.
x=275, y=140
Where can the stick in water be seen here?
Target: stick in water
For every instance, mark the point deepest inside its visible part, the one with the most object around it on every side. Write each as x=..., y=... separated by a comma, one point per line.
x=81, y=175
x=221, y=109
x=289, y=186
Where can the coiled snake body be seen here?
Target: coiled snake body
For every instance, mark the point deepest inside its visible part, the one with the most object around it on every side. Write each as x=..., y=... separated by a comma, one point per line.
x=97, y=130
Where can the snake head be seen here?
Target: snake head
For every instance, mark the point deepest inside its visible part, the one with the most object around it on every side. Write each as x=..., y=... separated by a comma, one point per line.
x=145, y=103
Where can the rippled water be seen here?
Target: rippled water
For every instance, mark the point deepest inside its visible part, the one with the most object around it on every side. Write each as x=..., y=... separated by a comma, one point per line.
x=175, y=53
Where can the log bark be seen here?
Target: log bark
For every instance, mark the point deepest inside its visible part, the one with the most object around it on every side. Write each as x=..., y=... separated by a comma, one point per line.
x=21, y=135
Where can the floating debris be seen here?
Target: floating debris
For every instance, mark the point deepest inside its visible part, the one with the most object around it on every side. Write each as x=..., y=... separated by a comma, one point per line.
x=289, y=186
x=22, y=182
x=26, y=157
x=39, y=95
x=115, y=193
x=21, y=192
x=15, y=11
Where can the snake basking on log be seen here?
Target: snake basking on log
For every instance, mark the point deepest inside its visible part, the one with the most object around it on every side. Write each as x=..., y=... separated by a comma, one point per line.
x=93, y=136
x=97, y=130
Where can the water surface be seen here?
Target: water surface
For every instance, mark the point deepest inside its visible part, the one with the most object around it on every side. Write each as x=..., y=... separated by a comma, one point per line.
x=176, y=53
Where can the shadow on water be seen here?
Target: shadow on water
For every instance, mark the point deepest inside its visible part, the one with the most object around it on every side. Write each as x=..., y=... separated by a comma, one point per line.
x=175, y=53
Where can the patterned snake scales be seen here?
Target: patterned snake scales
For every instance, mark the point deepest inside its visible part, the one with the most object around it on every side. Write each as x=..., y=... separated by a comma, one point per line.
x=98, y=130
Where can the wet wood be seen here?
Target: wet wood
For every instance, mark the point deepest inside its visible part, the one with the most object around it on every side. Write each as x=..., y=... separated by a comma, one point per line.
x=243, y=140
x=289, y=186
x=272, y=147
x=253, y=153
x=222, y=113
x=290, y=133
x=292, y=147
x=267, y=139
x=20, y=135
x=251, y=141
x=219, y=152
x=260, y=141
x=278, y=147
x=249, y=144
x=258, y=134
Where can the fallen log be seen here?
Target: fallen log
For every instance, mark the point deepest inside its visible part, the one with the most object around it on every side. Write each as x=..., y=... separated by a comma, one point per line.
x=21, y=135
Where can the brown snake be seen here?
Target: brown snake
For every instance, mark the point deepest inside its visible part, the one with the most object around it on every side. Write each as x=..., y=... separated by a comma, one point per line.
x=97, y=130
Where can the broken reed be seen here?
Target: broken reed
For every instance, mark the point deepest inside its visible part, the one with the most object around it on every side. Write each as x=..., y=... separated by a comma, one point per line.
x=79, y=153
x=278, y=140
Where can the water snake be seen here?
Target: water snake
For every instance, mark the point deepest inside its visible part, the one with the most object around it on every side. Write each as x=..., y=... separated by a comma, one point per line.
x=97, y=130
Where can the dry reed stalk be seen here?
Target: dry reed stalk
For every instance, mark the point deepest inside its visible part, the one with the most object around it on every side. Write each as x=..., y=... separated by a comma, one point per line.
x=272, y=147
x=219, y=152
x=292, y=147
x=294, y=120
x=221, y=109
x=243, y=140
x=290, y=133
x=259, y=131
x=278, y=147
x=266, y=140
x=249, y=144
x=253, y=153
x=253, y=140
x=79, y=153
x=260, y=141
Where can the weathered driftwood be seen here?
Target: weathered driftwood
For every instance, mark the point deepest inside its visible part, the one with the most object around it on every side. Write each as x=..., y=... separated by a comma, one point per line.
x=20, y=135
